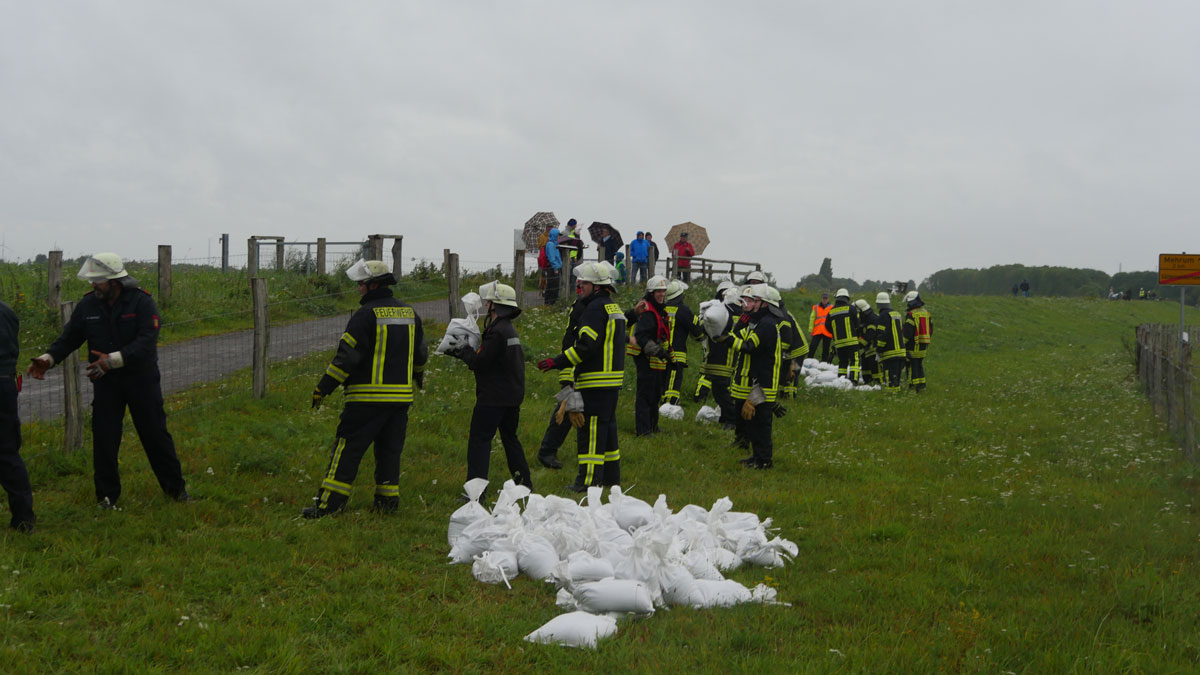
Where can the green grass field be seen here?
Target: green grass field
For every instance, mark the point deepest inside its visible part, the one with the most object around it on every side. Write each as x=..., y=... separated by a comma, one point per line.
x=1026, y=514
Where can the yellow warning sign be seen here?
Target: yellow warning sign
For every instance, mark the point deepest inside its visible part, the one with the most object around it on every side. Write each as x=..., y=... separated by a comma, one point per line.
x=1179, y=269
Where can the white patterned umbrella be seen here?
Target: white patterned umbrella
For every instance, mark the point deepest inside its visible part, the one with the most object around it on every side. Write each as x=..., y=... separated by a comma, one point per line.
x=535, y=227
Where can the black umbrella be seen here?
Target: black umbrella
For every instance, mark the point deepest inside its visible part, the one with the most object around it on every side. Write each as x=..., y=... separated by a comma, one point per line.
x=597, y=230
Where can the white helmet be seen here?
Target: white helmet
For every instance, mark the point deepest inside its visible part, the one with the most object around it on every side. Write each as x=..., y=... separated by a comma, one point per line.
x=773, y=297
x=756, y=277
x=842, y=293
x=656, y=283
x=862, y=305
x=599, y=273
x=498, y=293
x=883, y=298
x=721, y=287
x=369, y=270
x=675, y=289
x=102, y=266
x=759, y=291
x=912, y=295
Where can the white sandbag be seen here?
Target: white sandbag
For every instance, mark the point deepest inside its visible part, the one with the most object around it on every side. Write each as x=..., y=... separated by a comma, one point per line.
x=727, y=593
x=700, y=566
x=708, y=414
x=459, y=333
x=495, y=567
x=810, y=363
x=773, y=553
x=629, y=512
x=766, y=595
x=473, y=305
x=724, y=559
x=614, y=595
x=478, y=537
x=576, y=629
x=714, y=317
x=677, y=584
x=469, y=512
x=826, y=376
x=536, y=556
x=582, y=567
x=670, y=411
x=565, y=601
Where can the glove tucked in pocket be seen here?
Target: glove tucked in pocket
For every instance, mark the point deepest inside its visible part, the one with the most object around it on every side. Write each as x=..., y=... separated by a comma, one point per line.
x=748, y=410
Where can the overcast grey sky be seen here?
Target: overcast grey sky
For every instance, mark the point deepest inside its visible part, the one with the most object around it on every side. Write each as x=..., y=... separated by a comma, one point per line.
x=897, y=138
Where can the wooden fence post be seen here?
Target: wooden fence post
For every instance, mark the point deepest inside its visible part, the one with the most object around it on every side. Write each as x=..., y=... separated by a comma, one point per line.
x=225, y=252
x=279, y=262
x=375, y=247
x=321, y=256
x=72, y=395
x=397, y=256
x=519, y=276
x=54, y=279
x=452, y=277
x=252, y=257
x=164, y=274
x=262, y=335
x=564, y=280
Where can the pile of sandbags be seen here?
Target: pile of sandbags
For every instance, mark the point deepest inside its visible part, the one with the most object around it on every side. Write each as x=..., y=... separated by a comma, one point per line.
x=820, y=374
x=613, y=559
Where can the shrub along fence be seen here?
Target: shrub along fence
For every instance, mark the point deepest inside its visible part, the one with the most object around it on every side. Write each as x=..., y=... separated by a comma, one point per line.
x=1164, y=363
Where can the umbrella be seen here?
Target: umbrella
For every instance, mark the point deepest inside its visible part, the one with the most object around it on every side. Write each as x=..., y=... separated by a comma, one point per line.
x=596, y=232
x=565, y=241
x=697, y=235
x=540, y=223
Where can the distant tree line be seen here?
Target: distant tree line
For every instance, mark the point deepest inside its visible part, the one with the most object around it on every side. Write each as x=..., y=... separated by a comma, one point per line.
x=824, y=280
x=1050, y=281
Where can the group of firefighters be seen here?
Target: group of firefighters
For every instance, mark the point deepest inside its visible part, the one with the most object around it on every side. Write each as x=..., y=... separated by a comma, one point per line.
x=750, y=364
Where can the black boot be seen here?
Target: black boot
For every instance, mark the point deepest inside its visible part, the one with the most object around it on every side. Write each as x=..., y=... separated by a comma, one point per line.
x=385, y=505
x=549, y=461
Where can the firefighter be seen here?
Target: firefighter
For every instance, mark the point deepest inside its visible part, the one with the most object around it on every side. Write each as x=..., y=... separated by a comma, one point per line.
x=599, y=359
x=682, y=323
x=787, y=337
x=918, y=332
x=889, y=341
x=843, y=319
x=379, y=362
x=649, y=344
x=499, y=368
x=755, y=384
x=818, y=329
x=868, y=322
x=798, y=353
x=119, y=322
x=755, y=277
x=559, y=425
x=719, y=361
x=13, y=475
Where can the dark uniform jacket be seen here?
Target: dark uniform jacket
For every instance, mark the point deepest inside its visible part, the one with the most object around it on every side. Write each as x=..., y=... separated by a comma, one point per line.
x=129, y=326
x=646, y=329
x=381, y=354
x=9, y=344
x=870, y=332
x=682, y=323
x=889, y=334
x=760, y=352
x=499, y=363
x=599, y=350
x=566, y=376
x=843, y=318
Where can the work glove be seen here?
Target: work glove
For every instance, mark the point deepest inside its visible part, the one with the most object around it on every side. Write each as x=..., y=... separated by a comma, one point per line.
x=545, y=365
x=744, y=319
x=748, y=410
x=100, y=367
x=317, y=398
x=779, y=410
x=651, y=348
x=562, y=410
x=38, y=366
x=577, y=419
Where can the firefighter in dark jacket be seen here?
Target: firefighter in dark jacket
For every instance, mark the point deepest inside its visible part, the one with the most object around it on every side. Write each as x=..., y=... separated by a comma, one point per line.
x=843, y=319
x=719, y=360
x=380, y=360
x=598, y=356
x=119, y=323
x=755, y=385
x=794, y=347
x=918, y=333
x=559, y=425
x=13, y=476
x=869, y=323
x=682, y=324
x=649, y=345
x=499, y=367
x=889, y=341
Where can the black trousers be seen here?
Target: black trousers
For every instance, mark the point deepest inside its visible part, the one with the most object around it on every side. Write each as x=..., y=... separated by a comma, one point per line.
x=720, y=392
x=870, y=369
x=892, y=368
x=758, y=431
x=360, y=426
x=555, y=434
x=650, y=387
x=142, y=394
x=599, y=453
x=916, y=372
x=486, y=420
x=822, y=343
x=845, y=356
x=13, y=476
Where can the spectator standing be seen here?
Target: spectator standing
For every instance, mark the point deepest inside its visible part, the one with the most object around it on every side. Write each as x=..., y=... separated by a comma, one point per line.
x=639, y=255
x=683, y=251
x=655, y=256
x=1025, y=287
x=13, y=476
x=554, y=271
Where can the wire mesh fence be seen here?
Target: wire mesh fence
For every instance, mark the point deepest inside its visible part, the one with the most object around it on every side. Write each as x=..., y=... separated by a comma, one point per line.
x=1167, y=373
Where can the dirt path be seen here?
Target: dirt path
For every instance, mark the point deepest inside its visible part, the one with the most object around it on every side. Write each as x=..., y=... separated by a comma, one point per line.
x=186, y=364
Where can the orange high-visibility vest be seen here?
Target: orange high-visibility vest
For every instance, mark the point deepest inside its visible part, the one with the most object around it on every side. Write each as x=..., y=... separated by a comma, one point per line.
x=819, y=315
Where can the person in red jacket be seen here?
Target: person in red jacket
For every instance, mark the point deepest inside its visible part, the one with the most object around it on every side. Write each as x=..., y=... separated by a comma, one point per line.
x=683, y=257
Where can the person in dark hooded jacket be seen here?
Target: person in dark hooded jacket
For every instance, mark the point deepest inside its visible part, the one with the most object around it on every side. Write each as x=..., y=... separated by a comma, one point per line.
x=499, y=368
